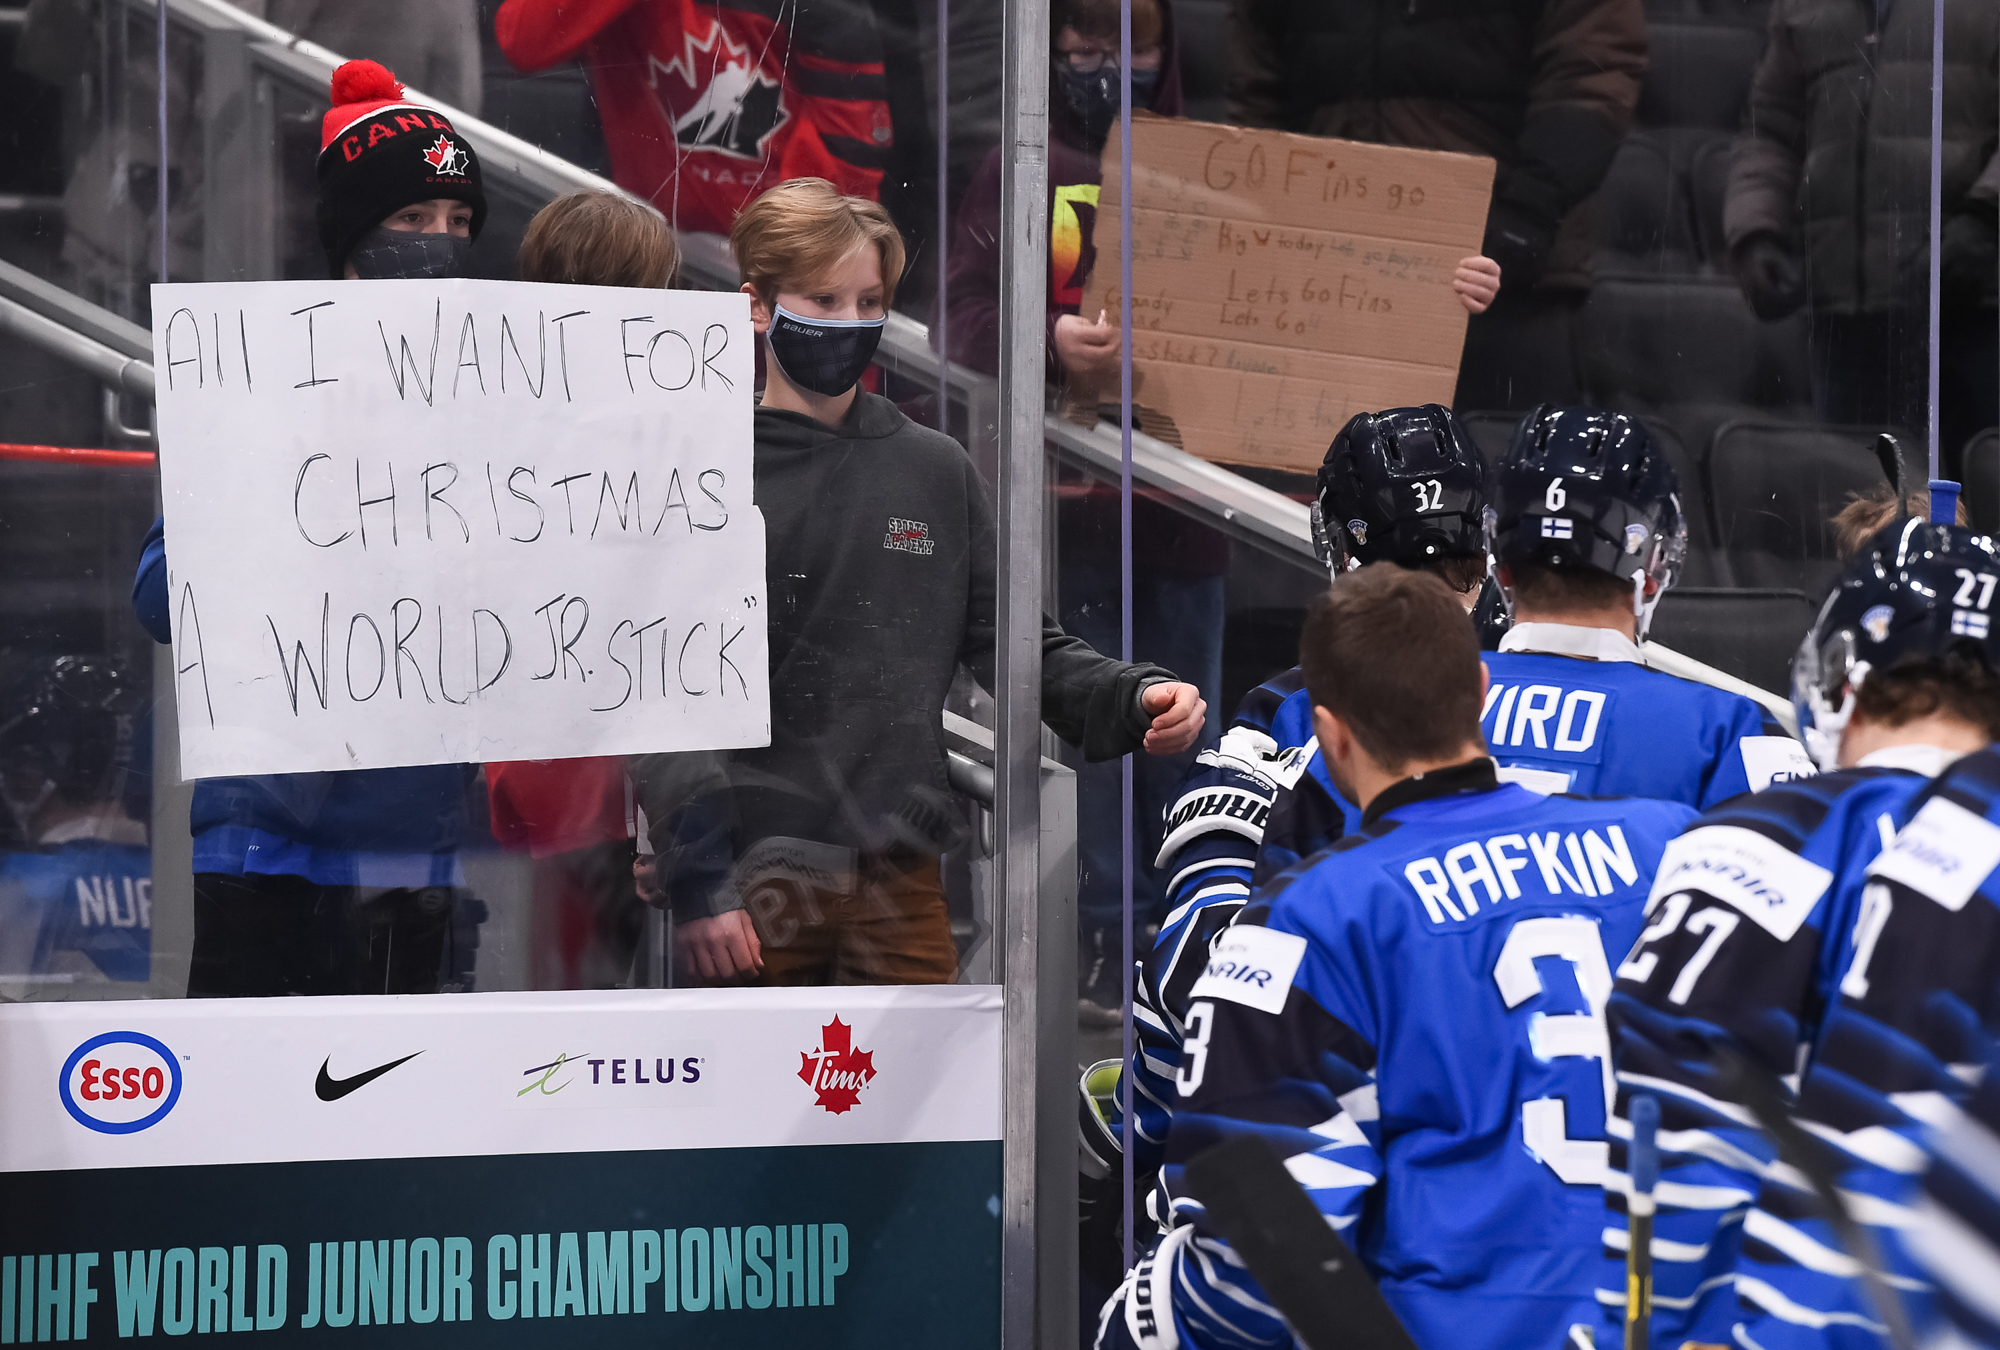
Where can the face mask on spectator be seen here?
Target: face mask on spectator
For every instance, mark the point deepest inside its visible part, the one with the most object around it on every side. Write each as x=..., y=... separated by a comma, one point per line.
x=386, y=254
x=825, y=356
x=1093, y=95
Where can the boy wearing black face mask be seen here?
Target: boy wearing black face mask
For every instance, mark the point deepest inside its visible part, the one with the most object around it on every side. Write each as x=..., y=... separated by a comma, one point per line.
x=341, y=883
x=880, y=551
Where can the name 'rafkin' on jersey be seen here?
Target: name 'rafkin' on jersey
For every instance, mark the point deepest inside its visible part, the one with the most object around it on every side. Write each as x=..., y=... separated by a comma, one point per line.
x=1564, y=862
x=1414, y=1020
x=1614, y=728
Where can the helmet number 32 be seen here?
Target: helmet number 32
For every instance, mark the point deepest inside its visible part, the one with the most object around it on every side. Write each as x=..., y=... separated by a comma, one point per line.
x=1430, y=495
x=1556, y=498
x=1544, y=1121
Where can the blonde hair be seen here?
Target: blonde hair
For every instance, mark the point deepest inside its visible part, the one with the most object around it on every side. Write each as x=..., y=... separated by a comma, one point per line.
x=800, y=230
x=600, y=239
x=1868, y=513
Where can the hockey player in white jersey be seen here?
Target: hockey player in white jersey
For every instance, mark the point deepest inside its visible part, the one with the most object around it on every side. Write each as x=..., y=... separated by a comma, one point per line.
x=1586, y=533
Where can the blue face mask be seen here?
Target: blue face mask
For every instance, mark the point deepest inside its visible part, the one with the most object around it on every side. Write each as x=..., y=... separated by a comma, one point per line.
x=825, y=356
x=386, y=254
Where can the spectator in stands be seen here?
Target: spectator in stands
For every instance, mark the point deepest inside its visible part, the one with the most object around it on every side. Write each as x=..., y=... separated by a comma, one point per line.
x=881, y=569
x=1867, y=513
x=1828, y=206
x=341, y=883
x=573, y=816
x=1546, y=87
x=706, y=103
x=1178, y=564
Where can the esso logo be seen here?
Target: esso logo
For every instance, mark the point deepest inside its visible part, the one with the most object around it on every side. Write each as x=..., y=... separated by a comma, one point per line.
x=120, y=1082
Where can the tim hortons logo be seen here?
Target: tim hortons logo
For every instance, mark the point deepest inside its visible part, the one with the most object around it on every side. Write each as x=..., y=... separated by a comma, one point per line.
x=837, y=1072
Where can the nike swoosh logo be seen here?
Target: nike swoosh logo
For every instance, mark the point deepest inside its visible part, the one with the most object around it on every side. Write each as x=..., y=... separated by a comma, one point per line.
x=331, y=1089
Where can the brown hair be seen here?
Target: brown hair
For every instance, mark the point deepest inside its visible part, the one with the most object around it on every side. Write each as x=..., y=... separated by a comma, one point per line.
x=1958, y=684
x=600, y=239
x=1463, y=572
x=1868, y=513
x=1391, y=653
x=1567, y=590
x=800, y=230
x=1099, y=19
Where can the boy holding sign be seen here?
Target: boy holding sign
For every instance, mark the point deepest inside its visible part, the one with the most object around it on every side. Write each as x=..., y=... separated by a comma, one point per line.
x=331, y=883
x=881, y=556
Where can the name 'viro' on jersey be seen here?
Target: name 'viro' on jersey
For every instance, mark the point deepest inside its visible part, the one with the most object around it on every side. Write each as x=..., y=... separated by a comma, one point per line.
x=1452, y=885
x=1542, y=720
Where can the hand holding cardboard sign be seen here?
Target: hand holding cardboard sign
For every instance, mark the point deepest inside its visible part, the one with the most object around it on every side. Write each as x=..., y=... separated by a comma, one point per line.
x=1087, y=349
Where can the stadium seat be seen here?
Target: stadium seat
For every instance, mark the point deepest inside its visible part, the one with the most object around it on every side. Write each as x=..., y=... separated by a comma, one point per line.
x=1982, y=480
x=1688, y=341
x=1708, y=188
x=1644, y=226
x=1697, y=74
x=1750, y=634
x=1775, y=487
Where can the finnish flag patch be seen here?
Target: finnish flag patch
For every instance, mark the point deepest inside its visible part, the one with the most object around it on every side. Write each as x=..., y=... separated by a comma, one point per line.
x=1558, y=527
x=1969, y=623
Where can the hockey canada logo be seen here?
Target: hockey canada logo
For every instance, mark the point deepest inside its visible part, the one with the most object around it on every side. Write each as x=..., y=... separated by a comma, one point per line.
x=446, y=157
x=732, y=106
x=909, y=536
x=837, y=1072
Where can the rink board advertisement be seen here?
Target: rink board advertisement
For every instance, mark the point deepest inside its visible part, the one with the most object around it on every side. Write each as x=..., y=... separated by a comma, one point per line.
x=700, y=1168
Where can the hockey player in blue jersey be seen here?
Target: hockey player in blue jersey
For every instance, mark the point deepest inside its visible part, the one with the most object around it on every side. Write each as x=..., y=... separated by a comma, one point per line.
x=1955, y=1236
x=1752, y=926
x=1415, y=1017
x=1404, y=486
x=76, y=902
x=1586, y=533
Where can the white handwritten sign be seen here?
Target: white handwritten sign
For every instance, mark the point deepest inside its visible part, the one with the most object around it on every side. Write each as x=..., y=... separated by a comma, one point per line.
x=420, y=522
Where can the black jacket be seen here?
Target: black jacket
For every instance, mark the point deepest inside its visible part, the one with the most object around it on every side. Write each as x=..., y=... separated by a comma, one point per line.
x=880, y=570
x=1546, y=87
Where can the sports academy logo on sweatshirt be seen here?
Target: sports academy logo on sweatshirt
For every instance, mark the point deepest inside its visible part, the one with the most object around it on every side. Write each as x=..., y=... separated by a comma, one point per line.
x=909, y=536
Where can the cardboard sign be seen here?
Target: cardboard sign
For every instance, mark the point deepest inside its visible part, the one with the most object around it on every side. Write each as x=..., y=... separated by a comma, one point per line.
x=422, y=522
x=1282, y=283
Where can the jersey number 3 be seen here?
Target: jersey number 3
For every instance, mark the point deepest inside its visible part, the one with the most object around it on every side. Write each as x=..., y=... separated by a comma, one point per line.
x=1544, y=1122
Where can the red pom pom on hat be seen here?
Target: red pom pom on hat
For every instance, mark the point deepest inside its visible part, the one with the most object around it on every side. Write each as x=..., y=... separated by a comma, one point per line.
x=361, y=81
x=358, y=88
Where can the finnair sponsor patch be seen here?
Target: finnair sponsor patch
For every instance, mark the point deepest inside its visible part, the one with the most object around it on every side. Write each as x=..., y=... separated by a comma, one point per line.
x=1774, y=759
x=1252, y=966
x=1759, y=877
x=1945, y=853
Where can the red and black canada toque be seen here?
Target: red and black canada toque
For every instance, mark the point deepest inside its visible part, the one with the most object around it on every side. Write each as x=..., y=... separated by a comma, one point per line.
x=378, y=153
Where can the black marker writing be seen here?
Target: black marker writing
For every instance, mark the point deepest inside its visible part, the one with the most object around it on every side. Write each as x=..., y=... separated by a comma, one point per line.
x=312, y=350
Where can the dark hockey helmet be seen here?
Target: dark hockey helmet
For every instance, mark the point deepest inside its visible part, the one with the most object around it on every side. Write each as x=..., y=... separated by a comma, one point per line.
x=1405, y=486
x=73, y=734
x=1581, y=487
x=1919, y=590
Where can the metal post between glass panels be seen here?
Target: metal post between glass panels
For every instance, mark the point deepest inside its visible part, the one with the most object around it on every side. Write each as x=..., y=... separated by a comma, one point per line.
x=1032, y=1310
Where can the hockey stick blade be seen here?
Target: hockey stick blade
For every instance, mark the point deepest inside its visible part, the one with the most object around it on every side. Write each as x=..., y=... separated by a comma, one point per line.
x=1307, y=1272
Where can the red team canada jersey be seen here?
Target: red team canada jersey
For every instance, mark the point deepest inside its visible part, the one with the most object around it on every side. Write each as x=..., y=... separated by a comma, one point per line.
x=705, y=105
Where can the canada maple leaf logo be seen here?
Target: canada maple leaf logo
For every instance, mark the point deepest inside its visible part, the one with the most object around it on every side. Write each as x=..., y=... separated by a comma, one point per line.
x=836, y=1072
x=445, y=156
